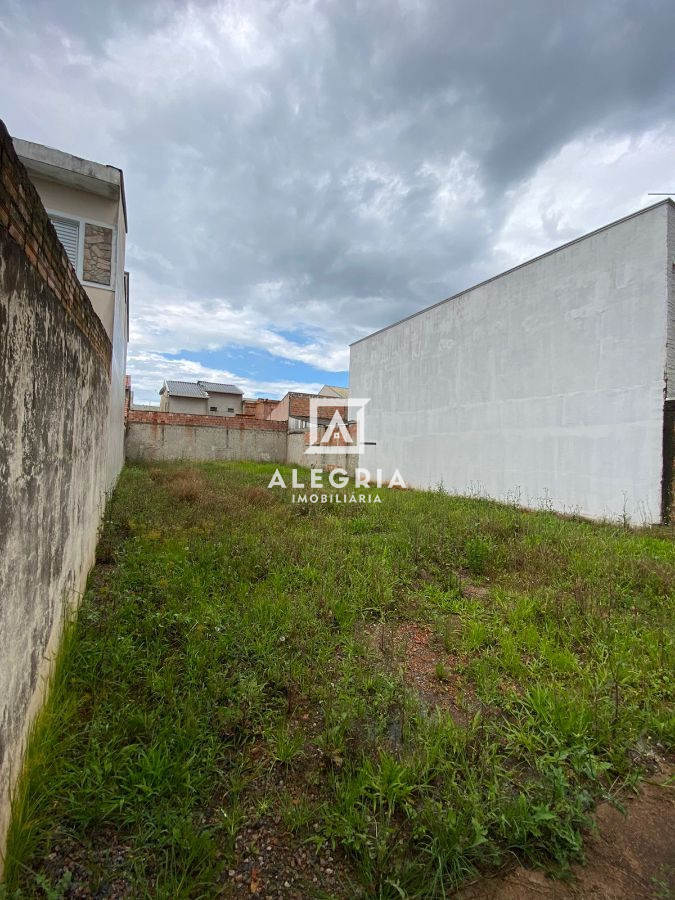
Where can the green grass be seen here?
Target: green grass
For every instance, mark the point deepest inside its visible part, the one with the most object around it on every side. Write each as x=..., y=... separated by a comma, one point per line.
x=220, y=671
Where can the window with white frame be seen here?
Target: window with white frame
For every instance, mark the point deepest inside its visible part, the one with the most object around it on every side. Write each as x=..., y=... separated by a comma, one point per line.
x=90, y=246
x=68, y=232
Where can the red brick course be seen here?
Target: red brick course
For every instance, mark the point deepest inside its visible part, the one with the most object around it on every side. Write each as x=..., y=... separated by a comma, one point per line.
x=264, y=407
x=299, y=407
x=24, y=217
x=296, y=406
x=261, y=407
x=149, y=417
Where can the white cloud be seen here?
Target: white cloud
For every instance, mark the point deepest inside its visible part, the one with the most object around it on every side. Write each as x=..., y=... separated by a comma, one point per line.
x=168, y=321
x=300, y=173
x=148, y=371
x=590, y=182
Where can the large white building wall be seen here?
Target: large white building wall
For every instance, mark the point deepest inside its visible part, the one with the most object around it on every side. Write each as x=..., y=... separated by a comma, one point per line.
x=545, y=384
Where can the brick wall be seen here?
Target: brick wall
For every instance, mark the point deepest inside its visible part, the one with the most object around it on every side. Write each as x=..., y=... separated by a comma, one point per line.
x=25, y=218
x=261, y=407
x=54, y=406
x=264, y=407
x=280, y=411
x=300, y=404
x=155, y=435
x=296, y=406
x=152, y=436
x=247, y=423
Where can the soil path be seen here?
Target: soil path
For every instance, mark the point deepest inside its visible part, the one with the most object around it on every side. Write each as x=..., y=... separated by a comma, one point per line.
x=630, y=857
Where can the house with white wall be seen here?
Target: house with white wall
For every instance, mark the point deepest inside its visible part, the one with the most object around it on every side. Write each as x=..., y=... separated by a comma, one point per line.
x=86, y=203
x=200, y=398
x=551, y=384
x=224, y=399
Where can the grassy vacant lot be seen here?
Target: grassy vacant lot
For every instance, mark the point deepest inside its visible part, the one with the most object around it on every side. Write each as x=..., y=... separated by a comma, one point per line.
x=363, y=700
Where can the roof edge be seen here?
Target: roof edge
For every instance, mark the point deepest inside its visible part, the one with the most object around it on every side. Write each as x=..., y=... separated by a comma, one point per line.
x=49, y=162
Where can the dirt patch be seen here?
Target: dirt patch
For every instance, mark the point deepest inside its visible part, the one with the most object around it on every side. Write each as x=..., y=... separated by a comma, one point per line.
x=256, y=496
x=99, y=868
x=190, y=486
x=184, y=483
x=425, y=666
x=629, y=857
x=274, y=858
x=475, y=591
x=270, y=864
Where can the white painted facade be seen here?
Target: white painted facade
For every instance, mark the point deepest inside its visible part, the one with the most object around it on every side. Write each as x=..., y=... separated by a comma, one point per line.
x=84, y=191
x=544, y=385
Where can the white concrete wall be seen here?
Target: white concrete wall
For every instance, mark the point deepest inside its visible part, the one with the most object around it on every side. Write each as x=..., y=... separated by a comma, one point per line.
x=545, y=384
x=195, y=406
x=223, y=402
x=296, y=456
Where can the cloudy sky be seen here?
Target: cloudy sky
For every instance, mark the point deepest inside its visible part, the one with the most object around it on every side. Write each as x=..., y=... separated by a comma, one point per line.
x=299, y=174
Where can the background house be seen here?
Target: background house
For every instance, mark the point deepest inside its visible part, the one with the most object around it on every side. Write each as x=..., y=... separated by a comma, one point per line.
x=329, y=390
x=294, y=409
x=183, y=397
x=86, y=203
x=201, y=398
x=224, y=399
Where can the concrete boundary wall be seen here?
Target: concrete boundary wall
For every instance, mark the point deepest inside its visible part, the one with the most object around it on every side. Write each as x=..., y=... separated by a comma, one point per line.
x=297, y=444
x=179, y=436
x=159, y=436
x=54, y=399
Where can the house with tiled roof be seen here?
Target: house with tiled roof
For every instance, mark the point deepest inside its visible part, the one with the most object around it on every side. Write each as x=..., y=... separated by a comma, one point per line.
x=200, y=398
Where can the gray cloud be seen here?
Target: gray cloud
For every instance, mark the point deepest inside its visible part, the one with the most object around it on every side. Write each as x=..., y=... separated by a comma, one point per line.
x=326, y=168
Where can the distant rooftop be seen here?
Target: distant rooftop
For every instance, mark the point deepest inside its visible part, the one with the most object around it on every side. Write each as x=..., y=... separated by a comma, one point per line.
x=329, y=390
x=216, y=388
x=183, y=389
x=199, y=389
